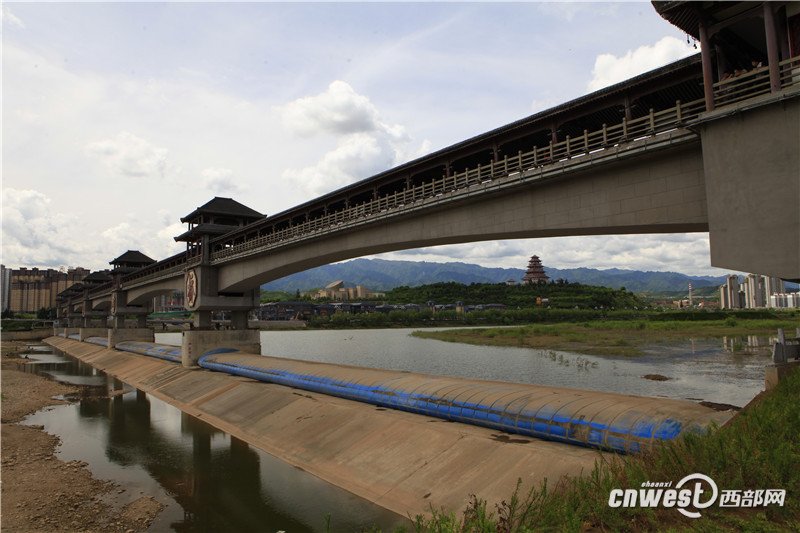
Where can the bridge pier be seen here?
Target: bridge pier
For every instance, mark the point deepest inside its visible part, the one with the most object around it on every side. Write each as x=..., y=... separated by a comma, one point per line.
x=751, y=165
x=94, y=320
x=86, y=332
x=195, y=343
x=203, y=298
x=117, y=335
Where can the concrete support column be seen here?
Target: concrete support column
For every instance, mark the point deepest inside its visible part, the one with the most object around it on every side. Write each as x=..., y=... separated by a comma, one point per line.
x=239, y=319
x=115, y=336
x=751, y=164
x=199, y=342
x=141, y=321
x=772, y=48
x=202, y=319
x=86, y=332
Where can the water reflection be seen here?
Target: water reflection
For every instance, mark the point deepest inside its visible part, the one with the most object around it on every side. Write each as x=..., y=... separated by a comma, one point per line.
x=750, y=344
x=208, y=480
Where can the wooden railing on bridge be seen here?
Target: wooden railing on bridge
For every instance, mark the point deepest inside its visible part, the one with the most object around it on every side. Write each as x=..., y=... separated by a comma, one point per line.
x=755, y=83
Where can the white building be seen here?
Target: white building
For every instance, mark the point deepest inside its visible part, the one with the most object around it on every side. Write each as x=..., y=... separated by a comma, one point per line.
x=755, y=292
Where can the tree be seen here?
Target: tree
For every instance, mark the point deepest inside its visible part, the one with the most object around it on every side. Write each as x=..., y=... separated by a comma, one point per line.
x=46, y=313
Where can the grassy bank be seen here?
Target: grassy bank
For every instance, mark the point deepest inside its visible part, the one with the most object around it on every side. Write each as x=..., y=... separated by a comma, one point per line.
x=759, y=449
x=611, y=337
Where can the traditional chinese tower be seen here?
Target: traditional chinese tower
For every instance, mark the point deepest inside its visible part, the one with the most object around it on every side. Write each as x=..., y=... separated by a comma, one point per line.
x=535, y=273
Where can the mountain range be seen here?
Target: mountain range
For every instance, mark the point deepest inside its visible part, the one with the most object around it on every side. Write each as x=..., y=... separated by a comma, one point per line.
x=383, y=275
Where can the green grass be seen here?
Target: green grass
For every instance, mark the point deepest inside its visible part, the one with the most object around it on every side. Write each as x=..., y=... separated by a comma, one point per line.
x=759, y=449
x=610, y=337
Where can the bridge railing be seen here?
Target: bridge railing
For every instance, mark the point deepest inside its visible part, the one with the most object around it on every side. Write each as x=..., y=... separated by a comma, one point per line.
x=755, y=82
x=564, y=152
x=790, y=72
x=164, y=268
x=101, y=289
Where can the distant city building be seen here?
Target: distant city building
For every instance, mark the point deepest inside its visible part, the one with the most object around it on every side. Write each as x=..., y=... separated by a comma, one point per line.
x=337, y=291
x=729, y=294
x=755, y=292
x=535, y=273
x=168, y=302
x=783, y=300
x=32, y=289
x=5, y=287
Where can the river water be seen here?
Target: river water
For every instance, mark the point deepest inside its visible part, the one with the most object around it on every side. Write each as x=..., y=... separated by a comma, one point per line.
x=207, y=480
x=210, y=481
x=729, y=370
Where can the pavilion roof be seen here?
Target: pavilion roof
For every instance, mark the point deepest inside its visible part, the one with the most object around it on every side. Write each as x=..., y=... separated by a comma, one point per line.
x=223, y=206
x=204, y=229
x=132, y=257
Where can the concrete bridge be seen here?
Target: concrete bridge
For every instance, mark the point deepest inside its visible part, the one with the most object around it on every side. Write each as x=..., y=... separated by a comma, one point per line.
x=686, y=147
x=677, y=149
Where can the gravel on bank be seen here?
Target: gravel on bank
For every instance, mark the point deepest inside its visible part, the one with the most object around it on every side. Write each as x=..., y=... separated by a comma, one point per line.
x=41, y=492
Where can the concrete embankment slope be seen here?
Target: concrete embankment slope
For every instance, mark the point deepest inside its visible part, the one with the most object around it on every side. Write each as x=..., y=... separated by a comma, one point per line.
x=402, y=461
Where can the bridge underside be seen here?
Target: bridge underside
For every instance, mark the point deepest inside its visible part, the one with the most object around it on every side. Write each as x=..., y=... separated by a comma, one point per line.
x=655, y=192
x=144, y=294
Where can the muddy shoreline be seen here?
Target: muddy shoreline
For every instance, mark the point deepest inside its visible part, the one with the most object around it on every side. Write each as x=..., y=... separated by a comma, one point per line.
x=40, y=492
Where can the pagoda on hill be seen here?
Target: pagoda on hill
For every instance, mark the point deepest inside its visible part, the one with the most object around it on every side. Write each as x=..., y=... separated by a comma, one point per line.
x=535, y=273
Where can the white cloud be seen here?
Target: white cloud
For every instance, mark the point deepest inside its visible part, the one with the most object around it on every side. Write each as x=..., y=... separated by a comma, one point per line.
x=36, y=234
x=366, y=145
x=610, y=69
x=339, y=110
x=221, y=181
x=540, y=104
x=356, y=157
x=130, y=156
x=137, y=235
x=33, y=234
x=10, y=18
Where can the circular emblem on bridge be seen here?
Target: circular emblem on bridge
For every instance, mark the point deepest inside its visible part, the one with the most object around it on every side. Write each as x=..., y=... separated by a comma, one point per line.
x=191, y=288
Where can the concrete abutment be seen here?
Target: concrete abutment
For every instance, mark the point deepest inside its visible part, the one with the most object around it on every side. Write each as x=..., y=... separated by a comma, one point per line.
x=195, y=343
x=751, y=164
x=115, y=336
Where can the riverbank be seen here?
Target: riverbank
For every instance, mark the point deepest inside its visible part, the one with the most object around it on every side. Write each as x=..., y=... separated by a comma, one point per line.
x=40, y=492
x=609, y=337
x=757, y=450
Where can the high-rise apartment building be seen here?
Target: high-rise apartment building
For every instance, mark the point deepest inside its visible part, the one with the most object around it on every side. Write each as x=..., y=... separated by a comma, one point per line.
x=5, y=288
x=32, y=289
x=755, y=292
x=729, y=297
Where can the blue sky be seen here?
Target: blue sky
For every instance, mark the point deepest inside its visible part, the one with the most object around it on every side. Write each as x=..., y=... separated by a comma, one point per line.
x=120, y=118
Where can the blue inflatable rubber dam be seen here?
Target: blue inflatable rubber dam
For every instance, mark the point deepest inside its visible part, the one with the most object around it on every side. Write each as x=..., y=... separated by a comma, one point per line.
x=100, y=341
x=601, y=420
x=160, y=351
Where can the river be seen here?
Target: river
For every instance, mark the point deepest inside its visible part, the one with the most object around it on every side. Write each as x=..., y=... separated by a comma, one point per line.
x=206, y=479
x=727, y=370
